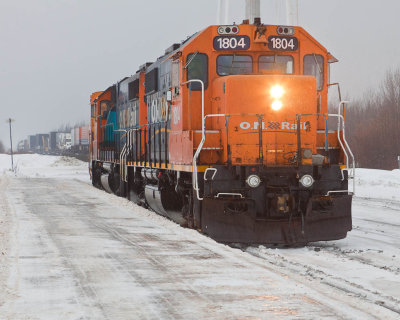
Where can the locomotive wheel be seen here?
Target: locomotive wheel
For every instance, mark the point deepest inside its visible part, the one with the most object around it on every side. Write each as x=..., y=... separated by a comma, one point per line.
x=96, y=177
x=187, y=211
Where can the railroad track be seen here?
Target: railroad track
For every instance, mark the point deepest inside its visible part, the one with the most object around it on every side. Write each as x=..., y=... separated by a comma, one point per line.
x=310, y=265
x=375, y=262
x=304, y=272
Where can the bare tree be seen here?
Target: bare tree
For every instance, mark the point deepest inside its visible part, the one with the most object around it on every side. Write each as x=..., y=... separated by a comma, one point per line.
x=374, y=125
x=81, y=123
x=66, y=127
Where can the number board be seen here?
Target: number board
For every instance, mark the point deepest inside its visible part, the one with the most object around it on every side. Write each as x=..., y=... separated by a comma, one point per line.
x=231, y=43
x=283, y=43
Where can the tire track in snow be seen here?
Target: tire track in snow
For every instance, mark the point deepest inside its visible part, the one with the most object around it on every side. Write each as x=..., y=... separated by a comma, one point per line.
x=34, y=208
x=164, y=303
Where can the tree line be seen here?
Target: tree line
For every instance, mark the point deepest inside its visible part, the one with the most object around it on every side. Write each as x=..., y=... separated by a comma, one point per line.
x=373, y=125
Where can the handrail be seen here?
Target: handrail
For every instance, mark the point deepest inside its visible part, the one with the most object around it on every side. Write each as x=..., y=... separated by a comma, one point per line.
x=200, y=146
x=203, y=138
x=345, y=146
x=197, y=153
x=122, y=157
x=344, y=135
x=90, y=150
x=229, y=194
x=122, y=163
x=210, y=169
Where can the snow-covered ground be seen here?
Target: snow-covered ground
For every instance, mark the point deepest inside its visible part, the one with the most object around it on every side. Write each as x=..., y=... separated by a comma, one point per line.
x=44, y=166
x=70, y=251
x=378, y=184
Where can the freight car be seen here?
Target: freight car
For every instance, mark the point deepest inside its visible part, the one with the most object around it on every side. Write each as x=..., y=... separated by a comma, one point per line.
x=228, y=132
x=79, y=139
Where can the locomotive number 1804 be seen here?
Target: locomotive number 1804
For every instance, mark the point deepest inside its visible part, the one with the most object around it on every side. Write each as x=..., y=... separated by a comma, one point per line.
x=231, y=43
x=283, y=43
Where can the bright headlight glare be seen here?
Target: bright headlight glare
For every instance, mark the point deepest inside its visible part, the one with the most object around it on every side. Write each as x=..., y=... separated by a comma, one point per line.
x=276, y=105
x=277, y=91
x=307, y=181
x=253, y=181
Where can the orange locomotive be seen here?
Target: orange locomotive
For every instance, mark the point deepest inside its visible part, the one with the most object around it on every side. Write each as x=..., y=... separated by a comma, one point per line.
x=228, y=132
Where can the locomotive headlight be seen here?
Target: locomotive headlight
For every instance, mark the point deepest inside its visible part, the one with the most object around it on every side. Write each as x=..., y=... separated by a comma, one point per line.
x=307, y=181
x=277, y=92
x=276, y=105
x=253, y=181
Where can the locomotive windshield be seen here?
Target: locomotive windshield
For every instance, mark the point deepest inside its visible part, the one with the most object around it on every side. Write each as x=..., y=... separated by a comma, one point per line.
x=282, y=64
x=233, y=64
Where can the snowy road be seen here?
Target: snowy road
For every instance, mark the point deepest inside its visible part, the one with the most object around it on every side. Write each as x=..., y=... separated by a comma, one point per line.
x=69, y=251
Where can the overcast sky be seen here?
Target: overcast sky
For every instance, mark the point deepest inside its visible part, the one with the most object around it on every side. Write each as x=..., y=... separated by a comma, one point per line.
x=54, y=53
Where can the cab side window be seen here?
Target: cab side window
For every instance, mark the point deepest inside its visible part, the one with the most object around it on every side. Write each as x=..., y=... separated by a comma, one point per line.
x=104, y=108
x=314, y=66
x=197, y=69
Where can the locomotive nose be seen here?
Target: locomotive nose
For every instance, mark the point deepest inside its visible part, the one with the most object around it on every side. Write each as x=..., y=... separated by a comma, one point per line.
x=261, y=110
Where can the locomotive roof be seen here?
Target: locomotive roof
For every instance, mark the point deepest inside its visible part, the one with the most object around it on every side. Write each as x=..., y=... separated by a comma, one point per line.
x=173, y=49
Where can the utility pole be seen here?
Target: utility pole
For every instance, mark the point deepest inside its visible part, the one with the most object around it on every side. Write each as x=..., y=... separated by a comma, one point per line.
x=12, y=158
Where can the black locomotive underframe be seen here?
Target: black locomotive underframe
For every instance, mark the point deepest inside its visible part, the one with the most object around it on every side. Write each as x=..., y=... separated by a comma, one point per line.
x=279, y=211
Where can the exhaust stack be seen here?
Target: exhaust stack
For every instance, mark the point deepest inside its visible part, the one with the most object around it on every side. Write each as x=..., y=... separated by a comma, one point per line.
x=292, y=12
x=253, y=11
x=223, y=12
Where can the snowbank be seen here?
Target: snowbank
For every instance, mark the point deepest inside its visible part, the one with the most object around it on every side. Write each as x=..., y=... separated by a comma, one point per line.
x=378, y=184
x=44, y=166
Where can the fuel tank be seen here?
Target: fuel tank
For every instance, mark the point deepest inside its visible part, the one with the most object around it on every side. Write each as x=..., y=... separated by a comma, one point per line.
x=105, y=182
x=166, y=202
